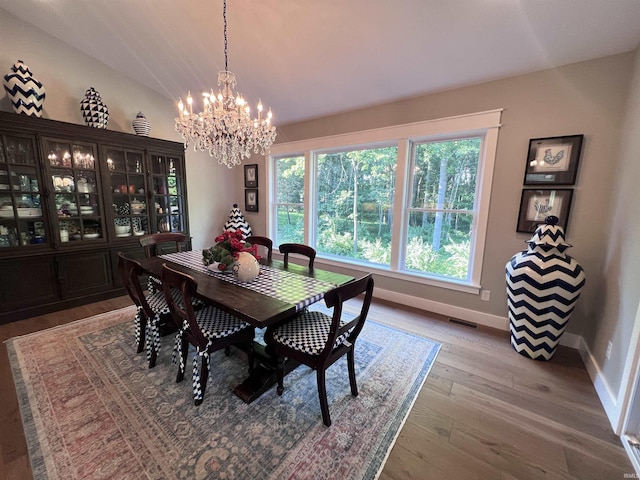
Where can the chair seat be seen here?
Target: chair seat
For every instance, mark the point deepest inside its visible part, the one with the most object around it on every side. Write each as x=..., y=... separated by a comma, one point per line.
x=308, y=333
x=215, y=323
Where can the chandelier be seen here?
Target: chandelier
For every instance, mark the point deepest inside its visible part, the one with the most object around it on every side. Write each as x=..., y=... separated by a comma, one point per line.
x=225, y=127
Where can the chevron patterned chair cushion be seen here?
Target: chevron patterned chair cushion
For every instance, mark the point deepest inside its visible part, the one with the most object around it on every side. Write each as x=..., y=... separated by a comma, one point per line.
x=308, y=333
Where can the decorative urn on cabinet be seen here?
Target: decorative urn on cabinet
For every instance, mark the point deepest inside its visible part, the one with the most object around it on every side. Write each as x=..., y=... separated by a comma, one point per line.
x=93, y=109
x=543, y=286
x=141, y=125
x=25, y=92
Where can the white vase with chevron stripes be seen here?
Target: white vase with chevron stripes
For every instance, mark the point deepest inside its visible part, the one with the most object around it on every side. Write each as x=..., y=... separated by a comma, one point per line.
x=25, y=92
x=543, y=286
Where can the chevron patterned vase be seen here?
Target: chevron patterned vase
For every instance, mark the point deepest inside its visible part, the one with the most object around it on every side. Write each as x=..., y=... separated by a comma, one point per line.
x=237, y=222
x=543, y=286
x=25, y=92
x=94, y=111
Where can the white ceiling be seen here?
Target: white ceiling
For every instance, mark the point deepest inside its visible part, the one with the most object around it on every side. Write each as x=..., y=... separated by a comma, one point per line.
x=309, y=58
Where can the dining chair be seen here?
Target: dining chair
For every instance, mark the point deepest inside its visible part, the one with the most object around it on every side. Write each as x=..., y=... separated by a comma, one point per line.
x=209, y=329
x=264, y=241
x=299, y=248
x=151, y=308
x=318, y=340
x=150, y=242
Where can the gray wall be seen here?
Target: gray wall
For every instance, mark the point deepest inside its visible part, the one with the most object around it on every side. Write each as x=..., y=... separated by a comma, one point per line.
x=67, y=73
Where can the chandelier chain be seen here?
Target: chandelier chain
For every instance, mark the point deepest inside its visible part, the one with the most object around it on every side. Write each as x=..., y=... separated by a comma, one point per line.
x=226, y=47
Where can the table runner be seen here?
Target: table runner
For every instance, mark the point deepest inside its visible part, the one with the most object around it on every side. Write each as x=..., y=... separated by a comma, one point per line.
x=289, y=287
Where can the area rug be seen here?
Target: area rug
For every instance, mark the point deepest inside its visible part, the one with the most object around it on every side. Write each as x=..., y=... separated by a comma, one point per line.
x=91, y=409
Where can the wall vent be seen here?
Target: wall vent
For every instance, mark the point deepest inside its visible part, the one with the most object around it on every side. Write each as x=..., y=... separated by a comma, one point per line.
x=464, y=323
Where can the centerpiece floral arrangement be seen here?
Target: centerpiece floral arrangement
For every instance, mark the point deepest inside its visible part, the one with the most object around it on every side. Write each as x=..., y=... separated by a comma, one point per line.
x=226, y=250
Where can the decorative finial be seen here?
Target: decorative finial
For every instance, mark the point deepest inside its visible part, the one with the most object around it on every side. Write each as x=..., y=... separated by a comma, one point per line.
x=551, y=220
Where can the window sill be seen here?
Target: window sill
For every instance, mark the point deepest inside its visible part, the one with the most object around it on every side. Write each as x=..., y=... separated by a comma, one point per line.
x=457, y=285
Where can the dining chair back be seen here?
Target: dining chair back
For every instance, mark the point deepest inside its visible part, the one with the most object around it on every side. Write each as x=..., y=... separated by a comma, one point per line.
x=151, y=308
x=299, y=248
x=264, y=241
x=318, y=340
x=208, y=329
x=152, y=241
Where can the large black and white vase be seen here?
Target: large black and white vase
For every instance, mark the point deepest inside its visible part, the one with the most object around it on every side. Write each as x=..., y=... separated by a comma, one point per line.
x=141, y=125
x=543, y=286
x=94, y=111
x=237, y=221
x=25, y=92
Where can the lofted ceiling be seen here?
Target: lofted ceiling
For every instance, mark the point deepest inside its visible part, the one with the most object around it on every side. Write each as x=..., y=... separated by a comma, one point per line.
x=309, y=58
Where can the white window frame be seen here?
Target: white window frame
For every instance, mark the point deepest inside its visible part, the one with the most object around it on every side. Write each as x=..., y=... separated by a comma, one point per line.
x=483, y=124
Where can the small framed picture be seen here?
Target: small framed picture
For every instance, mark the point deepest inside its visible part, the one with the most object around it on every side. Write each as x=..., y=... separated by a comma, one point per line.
x=553, y=161
x=251, y=199
x=537, y=205
x=251, y=176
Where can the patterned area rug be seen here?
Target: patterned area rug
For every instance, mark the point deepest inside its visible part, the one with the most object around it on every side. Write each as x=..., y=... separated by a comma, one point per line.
x=92, y=409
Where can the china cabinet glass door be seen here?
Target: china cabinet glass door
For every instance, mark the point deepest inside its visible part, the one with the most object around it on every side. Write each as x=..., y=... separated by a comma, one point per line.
x=169, y=195
x=21, y=204
x=128, y=191
x=76, y=190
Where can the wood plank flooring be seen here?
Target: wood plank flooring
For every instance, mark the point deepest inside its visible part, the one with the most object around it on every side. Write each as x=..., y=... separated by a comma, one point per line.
x=484, y=412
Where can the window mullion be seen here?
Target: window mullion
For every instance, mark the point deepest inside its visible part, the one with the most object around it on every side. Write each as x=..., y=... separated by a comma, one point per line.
x=310, y=198
x=400, y=200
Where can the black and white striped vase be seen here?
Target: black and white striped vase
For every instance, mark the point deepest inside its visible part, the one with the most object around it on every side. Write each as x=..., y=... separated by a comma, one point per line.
x=94, y=111
x=543, y=286
x=141, y=125
x=25, y=92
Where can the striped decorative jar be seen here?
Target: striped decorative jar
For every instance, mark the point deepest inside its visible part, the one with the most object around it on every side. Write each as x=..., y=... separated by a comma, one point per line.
x=543, y=286
x=25, y=92
x=141, y=125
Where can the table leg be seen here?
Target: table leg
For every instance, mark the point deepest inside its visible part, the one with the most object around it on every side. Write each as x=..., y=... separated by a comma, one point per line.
x=263, y=376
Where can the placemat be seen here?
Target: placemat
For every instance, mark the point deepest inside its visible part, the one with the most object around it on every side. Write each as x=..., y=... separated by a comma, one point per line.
x=289, y=287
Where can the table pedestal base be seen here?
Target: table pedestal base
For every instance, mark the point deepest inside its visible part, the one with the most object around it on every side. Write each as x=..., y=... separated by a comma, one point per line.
x=263, y=376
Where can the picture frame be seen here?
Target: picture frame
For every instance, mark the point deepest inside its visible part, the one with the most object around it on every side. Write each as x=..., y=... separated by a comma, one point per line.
x=553, y=160
x=251, y=176
x=251, y=199
x=537, y=204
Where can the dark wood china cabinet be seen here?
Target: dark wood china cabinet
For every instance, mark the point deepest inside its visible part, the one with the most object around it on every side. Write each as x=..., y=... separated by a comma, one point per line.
x=71, y=197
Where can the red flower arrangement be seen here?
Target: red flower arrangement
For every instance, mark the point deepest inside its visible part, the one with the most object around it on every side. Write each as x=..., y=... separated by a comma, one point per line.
x=225, y=251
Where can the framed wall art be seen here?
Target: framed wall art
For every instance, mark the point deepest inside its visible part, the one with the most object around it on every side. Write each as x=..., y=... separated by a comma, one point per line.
x=537, y=205
x=553, y=161
x=251, y=176
x=251, y=199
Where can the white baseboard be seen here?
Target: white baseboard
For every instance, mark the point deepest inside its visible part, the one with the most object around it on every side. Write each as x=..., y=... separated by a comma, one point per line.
x=486, y=319
x=605, y=394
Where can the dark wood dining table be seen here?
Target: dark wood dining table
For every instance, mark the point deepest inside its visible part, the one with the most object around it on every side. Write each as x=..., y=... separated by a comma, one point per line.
x=259, y=309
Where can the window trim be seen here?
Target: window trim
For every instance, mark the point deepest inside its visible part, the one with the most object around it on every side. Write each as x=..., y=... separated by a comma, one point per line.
x=486, y=124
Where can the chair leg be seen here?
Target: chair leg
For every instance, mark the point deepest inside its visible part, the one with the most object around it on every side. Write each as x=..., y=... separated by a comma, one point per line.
x=352, y=372
x=322, y=395
x=280, y=374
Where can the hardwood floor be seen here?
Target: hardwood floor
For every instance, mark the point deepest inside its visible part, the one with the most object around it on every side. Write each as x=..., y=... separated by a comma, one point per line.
x=484, y=412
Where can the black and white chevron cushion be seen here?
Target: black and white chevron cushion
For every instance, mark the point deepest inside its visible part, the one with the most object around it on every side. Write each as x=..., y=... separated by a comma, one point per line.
x=308, y=333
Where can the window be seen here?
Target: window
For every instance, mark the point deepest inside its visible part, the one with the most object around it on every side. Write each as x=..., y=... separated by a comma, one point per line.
x=441, y=210
x=355, y=203
x=409, y=201
x=289, y=200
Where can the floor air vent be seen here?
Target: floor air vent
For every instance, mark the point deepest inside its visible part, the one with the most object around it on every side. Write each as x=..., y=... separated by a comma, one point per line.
x=464, y=323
